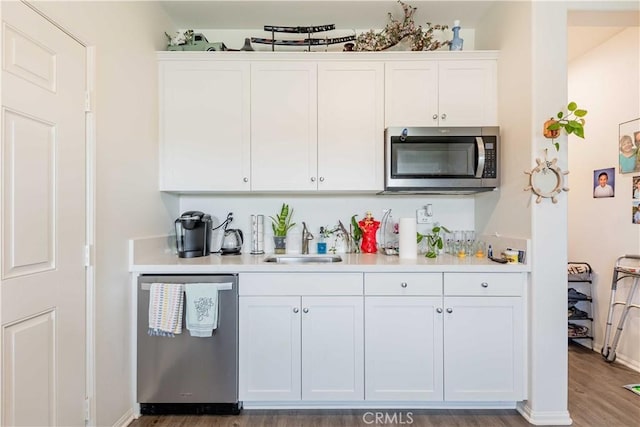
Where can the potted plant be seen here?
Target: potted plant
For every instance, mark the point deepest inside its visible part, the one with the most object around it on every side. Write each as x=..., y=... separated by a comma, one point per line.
x=572, y=122
x=281, y=224
x=434, y=240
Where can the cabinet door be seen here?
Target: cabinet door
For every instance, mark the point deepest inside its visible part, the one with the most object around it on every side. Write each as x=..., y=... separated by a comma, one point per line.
x=332, y=348
x=204, y=126
x=484, y=349
x=269, y=348
x=350, y=126
x=284, y=121
x=468, y=93
x=411, y=93
x=403, y=348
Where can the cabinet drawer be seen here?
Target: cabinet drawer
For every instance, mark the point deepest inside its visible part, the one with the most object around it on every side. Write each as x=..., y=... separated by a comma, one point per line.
x=300, y=284
x=403, y=284
x=480, y=284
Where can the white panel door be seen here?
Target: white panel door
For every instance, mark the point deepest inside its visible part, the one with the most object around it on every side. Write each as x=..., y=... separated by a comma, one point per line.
x=468, y=93
x=411, y=93
x=350, y=126
x=269, y=348
x=403, y=348
x=332, y=348
x=284, y=134
x=43, y=221
x=483, y=349
x=204, y=126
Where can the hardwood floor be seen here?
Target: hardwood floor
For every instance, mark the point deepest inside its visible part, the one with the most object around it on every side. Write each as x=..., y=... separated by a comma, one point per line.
x=596, y=399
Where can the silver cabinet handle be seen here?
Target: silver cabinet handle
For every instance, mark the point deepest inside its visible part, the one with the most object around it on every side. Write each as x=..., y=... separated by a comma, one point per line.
x=403, y=284
x=313, y=179
x=435, y=117
x=295, y=309
x=449, y=310
x=305, y=310
x=438, y=310
x=245, y=179
x=443, y=116
x=322, y=179
x=484, y=284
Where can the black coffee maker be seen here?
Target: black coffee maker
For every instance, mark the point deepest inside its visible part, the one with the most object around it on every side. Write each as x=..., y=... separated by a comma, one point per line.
x=193, y=234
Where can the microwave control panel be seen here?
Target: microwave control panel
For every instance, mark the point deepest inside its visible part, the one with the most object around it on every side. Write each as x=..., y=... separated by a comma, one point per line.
x=490, y=160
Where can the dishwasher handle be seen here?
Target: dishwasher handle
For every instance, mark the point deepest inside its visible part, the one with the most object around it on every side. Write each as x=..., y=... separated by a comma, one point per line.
x=221, y=286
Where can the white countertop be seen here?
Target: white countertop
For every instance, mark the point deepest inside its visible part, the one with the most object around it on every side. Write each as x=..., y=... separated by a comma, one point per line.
x=154, y=256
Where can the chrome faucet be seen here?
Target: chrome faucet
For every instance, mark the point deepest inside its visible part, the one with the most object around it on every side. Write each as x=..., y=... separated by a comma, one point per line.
x=306, y=236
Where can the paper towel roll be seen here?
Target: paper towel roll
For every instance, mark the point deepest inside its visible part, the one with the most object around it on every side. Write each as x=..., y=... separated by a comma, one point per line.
x=408, y=247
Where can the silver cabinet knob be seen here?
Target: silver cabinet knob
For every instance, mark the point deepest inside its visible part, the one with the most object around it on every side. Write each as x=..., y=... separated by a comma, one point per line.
x=443, y=116
x=449, y=310
x=305, y=310
x=295, y=310
x=438, y=310
x=435, y=117
x=313, y=179
x=484, y=284
x=245, y=179
x=322, y=179
x=403, y=284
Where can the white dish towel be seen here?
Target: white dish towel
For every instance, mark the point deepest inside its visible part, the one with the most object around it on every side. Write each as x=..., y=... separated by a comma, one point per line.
x=165, y=309
x=202, y=307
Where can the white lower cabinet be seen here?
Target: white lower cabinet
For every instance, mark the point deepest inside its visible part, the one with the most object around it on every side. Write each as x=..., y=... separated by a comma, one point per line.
x=302, y=347
x=484, y=336
x=451, y=337
x=402, y=348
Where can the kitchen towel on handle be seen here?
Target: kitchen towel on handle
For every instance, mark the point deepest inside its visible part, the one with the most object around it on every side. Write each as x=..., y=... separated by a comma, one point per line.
x=165, y=309
x=408, y=245
x=202, y=308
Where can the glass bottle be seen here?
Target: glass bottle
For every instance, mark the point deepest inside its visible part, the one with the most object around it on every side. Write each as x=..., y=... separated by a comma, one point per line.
x=456, y=42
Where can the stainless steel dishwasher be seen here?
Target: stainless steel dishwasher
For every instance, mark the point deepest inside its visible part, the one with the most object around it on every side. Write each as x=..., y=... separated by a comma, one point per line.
x=185, y=374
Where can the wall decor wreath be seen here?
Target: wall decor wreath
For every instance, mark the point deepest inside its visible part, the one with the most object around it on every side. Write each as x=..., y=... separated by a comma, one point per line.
x=396, y=31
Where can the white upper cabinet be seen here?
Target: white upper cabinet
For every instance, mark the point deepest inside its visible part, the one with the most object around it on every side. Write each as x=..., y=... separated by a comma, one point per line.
x=204, y=126
x=459, y=92
x=263, y=122
x=284, y=123
x=350, y=126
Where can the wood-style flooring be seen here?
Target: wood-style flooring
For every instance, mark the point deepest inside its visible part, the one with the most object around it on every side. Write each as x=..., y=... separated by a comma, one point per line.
x=596, y=399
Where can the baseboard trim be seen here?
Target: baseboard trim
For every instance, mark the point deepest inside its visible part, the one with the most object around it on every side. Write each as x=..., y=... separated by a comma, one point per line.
x=559, y=418
x=379, y=405
x=125, y=419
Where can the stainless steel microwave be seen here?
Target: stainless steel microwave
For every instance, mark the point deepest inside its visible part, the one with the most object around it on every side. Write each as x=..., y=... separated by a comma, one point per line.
x=441, y=160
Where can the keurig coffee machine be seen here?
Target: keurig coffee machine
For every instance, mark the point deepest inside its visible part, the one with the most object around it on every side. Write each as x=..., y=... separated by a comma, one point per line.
x=193, y=234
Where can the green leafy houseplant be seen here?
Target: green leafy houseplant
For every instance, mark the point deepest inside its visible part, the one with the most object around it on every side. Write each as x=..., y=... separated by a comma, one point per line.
x=434, y=240
x=281, y=223
x=572, y=121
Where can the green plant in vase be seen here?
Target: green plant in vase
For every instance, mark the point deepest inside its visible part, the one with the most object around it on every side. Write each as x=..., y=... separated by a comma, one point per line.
x=434, y=240
x=572, y=121
x=281, y=224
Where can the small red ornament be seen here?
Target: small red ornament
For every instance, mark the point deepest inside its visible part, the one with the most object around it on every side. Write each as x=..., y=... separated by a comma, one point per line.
x=369, y=227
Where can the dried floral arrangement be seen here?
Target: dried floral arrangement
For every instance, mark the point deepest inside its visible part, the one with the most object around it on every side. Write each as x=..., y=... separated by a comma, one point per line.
x=395, y=31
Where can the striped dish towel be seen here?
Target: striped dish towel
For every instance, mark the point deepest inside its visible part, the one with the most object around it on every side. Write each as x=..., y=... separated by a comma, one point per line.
x=165, y=309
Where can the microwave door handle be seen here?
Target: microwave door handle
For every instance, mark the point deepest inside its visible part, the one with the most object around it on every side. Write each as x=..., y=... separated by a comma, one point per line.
x=480, y=144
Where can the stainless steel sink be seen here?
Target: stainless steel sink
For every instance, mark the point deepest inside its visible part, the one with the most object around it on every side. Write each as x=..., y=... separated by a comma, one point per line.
x=303, y=259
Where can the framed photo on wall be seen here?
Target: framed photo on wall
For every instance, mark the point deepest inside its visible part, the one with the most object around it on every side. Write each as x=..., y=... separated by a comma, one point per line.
x=604, y=183
x=629, y=146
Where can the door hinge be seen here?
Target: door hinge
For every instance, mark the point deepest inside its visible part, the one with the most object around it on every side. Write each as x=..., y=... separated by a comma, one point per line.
x=87, y=101
x=87, y=409
x=87, y=255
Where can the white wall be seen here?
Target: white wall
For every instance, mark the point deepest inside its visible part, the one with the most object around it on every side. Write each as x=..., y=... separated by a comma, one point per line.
x=126, y=36
x=455, y=213
x=532, y=85
x=607, y=82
